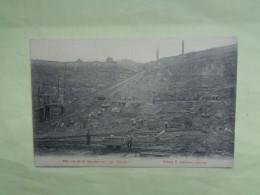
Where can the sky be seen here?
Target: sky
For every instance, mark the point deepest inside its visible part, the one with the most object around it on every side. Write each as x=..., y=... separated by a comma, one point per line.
x=138, y=50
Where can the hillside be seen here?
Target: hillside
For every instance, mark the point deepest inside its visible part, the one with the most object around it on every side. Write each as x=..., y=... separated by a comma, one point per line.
x=193, y=93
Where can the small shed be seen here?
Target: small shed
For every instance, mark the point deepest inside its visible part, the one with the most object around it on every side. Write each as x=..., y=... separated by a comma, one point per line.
x=50, y=111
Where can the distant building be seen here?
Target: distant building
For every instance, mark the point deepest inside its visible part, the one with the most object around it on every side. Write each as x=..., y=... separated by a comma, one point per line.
x=50, y=111
x=79, y=61
x=109, y=59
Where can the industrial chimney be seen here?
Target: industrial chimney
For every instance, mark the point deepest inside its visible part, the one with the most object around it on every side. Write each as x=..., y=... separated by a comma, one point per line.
x=182, y=46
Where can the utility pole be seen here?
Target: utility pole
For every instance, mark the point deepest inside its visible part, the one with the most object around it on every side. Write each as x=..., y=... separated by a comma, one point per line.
x=58, y=89
x=65, y=78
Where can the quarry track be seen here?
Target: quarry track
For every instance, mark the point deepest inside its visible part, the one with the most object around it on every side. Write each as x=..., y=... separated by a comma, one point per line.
x=57, y=147
x=110, y=91
x=74, y=147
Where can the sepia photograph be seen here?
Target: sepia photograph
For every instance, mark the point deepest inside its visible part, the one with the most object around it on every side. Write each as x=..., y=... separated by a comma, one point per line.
x=144, y=102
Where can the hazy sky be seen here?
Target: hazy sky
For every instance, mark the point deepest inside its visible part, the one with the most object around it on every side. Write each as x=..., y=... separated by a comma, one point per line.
x=138, y=50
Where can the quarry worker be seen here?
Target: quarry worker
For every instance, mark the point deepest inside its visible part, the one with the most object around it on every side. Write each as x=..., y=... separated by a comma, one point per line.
x=129, y=143
x=166, y=124
x=88, y=138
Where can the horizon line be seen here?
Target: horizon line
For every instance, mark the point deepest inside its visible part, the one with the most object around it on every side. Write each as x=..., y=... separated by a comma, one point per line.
x=135, y=61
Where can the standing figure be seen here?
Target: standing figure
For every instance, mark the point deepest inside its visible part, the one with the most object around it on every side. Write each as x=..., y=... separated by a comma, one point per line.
x=88, y=138
x=166, y=124
x=130, y=143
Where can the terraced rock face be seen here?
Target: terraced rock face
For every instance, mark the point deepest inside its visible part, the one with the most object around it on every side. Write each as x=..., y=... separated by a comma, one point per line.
x=194, y=94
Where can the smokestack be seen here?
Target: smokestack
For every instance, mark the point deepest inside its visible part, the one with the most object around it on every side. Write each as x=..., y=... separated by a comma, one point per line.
x=157, y=54
x=182, y=46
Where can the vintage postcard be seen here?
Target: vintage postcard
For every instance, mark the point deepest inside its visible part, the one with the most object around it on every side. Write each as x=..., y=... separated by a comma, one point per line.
x=151, y=102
